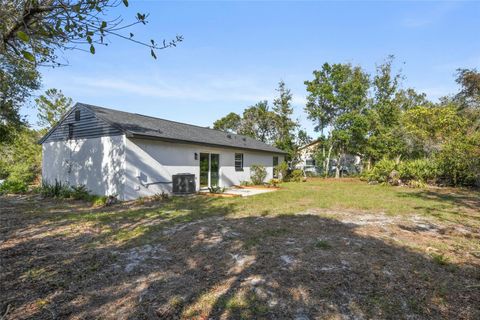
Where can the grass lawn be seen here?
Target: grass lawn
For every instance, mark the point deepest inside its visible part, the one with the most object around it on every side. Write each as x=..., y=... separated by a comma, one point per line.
x=321, y=249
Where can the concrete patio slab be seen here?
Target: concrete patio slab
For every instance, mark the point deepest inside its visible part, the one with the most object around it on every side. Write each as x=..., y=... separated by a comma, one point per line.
x=248, y=192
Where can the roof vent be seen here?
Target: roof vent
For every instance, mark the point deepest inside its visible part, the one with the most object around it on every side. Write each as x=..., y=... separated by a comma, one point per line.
x=244, y=139
x=229, y=136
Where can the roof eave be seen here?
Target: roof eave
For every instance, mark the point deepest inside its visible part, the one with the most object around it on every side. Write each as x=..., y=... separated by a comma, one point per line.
x=150, y=137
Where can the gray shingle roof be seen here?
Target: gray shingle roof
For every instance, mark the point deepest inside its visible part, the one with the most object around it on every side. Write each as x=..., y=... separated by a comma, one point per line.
x=141, y=126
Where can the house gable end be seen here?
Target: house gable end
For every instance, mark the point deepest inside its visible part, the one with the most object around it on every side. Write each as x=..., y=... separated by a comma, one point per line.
x=82, y=125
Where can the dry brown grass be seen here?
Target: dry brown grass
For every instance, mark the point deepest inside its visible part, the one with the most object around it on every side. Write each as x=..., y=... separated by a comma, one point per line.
x=202, y=257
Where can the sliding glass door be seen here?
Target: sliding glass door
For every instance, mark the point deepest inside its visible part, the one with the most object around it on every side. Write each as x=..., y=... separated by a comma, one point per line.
x=204, y=169
x=209, y=169
x=214, y=169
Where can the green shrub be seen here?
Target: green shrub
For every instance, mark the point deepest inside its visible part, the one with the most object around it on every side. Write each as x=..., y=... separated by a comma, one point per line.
x=458, y=162
x=381, y=171
x=98, y=201
x=274, y=182
x=281, y=170
x=56, y=190
x=245, y=183
x=13, y=186
x=258, y=173
x=60, y=190
x=422, y=170
x=80, y=193
x=297, y=175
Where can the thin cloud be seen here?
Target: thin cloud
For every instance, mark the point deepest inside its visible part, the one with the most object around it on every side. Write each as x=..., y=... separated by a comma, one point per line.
x=205, y=89
x=425, y=18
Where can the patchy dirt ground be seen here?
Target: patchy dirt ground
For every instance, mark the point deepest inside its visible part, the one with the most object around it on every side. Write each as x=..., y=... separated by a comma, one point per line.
x=68, y=261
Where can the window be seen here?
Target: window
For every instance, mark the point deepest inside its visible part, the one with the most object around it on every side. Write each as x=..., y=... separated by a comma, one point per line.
x=238, y=161
x=310, y=162
x=77, y=115
x=70, y=131
x=275, y=171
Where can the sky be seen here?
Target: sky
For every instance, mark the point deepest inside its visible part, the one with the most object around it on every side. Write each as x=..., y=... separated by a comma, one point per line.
x=235, y=53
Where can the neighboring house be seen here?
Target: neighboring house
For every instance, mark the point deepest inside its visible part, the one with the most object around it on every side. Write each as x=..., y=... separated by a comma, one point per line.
x=350, y=164
x=306, y=158
x=131, y=155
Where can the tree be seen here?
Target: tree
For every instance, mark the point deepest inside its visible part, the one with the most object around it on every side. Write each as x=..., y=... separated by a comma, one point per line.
x=285, y=125
x=385, y=137
x=338, y=97
x=36, y=30
x=230, y=123
x=320, y=107
x=51, y=107
x=20, y=160
x=409, y=98
x=429, y=128
x=258, y=122
x=303, y=138
x=469, y=95
x=17, y=82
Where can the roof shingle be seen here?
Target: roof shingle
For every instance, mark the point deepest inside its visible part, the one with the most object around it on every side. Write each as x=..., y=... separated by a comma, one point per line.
x=141, y=126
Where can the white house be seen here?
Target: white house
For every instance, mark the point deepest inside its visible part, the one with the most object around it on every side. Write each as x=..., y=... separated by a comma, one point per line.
x=306, y=157
x=131, y=155
x=348, y=163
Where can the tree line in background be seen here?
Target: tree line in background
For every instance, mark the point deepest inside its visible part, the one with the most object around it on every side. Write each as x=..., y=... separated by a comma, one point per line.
x=398, y=133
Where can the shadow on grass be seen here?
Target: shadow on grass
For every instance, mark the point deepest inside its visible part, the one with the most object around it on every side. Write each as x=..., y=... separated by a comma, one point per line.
x=191, y=259
x=470, y=200
x=443, y=204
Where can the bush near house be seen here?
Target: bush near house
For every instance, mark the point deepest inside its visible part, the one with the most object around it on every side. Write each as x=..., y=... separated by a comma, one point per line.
x=258, y=173
x=297, y=176
x=59, y=190
x=282, y=170
x=274, y=183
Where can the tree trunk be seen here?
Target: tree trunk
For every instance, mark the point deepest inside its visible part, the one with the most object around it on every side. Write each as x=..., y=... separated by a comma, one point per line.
x=338, y=166
x=324, y=163
x=327, y=161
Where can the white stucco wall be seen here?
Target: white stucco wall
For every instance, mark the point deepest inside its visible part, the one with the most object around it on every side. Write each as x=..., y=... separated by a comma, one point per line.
x=122, y=166
x=157, y=161
x=97, y=163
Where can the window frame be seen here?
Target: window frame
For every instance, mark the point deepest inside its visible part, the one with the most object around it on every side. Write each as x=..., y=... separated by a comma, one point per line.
x=77, y=115
x=241, y=161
